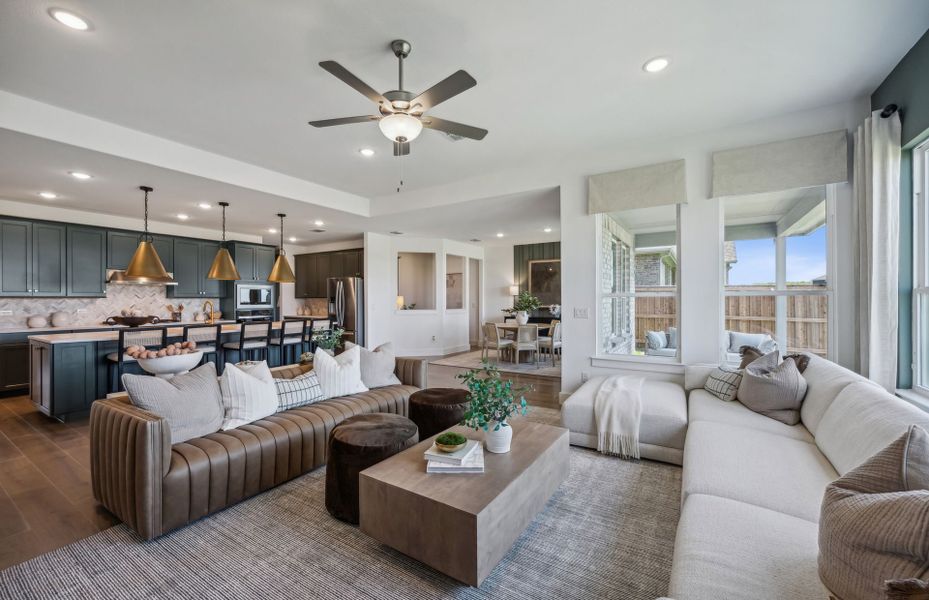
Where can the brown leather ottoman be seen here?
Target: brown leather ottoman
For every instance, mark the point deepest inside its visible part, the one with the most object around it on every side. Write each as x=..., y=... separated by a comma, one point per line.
x=436, y=409
x=354, y=445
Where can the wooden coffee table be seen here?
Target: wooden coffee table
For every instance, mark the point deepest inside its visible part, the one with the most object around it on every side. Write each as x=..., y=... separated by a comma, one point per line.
x=463, y=524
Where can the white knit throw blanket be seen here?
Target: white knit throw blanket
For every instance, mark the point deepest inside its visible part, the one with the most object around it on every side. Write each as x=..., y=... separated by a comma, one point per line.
x=618, y=408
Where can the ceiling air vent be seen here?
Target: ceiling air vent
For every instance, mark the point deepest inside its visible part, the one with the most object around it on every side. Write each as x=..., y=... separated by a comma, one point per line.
x=318, y=230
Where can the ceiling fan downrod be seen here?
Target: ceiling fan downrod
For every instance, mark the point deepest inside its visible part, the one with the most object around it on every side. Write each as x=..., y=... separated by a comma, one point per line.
x=401, y=49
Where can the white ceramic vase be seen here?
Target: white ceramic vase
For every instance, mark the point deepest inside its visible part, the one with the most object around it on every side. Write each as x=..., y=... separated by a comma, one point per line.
x=36, y=321
x=522, y=317
x=498, y=441
x=61, y=319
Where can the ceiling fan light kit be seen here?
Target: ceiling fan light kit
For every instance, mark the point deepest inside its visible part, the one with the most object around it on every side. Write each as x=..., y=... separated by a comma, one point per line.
x=402, y=117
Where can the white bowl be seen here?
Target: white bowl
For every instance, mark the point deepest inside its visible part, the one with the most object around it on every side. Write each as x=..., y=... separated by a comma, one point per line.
x=167, y=367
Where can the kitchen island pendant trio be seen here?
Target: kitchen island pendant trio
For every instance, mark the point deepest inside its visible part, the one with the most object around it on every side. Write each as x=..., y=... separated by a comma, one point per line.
x=223, y=268
x=146, y=265
x=281, y=273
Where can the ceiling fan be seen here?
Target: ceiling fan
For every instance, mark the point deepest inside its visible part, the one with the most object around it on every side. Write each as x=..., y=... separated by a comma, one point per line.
x=402, y=117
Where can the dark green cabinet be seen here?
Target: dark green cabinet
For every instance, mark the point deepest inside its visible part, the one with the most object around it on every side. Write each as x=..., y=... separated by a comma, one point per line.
x=86, y=254
x=121, y=245
x=312, y=270
x=192, y=262
x=49, y=259
x=14, y=366
x=253, y=262
x=63, y=382
x=32, y=258
x=264, y=262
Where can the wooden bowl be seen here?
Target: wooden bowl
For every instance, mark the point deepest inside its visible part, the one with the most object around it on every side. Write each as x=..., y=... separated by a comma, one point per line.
x=132, y=321
x=448, y=448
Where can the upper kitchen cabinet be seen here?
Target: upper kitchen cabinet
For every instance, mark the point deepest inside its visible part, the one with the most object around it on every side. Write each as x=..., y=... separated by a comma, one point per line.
x=49, y=259
x=312, y=270
x=121, y=245
x=254, y=262
x=86, y=258
x=33, y=261
x=15, y=258
x=192, y=262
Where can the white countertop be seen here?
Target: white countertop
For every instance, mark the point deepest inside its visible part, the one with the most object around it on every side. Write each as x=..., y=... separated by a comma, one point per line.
x=52, y=329
x=111, y=333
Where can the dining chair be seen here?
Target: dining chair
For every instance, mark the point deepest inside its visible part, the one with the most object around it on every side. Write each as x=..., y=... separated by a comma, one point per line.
x=527, y=339
x=254, y=337
x=209, y=341
x=493, y=341
x=292, y=337
x=552, y=343
x=147, y=337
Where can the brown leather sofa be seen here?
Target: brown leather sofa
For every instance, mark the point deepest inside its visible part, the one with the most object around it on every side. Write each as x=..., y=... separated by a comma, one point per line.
x=155, y=487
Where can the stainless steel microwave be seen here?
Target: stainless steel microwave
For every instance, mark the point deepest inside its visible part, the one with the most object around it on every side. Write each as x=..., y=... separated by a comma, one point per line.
x=254, y=296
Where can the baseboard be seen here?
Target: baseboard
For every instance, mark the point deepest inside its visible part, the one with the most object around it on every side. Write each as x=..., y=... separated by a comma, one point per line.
x=416, y=352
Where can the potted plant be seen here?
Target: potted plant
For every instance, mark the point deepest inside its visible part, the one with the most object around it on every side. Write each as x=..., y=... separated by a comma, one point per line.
x=523, y=305
x=492, y=401
x=329, y=339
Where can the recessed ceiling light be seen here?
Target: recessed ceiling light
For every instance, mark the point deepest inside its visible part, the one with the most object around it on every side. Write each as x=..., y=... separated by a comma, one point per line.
x=272, y=230
x=48, y=195
x=204, y=206
x=474, y=240
x=182, y=216
x=292, y=239
x=499, y=235
x=366, y=152
x=547, y=230
x=318, y=223
x=80, y=175
x=659, y=63
x=69, y=19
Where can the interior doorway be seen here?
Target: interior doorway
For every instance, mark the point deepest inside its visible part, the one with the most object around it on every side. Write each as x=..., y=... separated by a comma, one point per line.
x=474, y=301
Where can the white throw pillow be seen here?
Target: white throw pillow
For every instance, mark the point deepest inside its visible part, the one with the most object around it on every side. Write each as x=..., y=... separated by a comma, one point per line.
x=248, y=393
x=723, y=383
x=377, y=366
x=339, y=375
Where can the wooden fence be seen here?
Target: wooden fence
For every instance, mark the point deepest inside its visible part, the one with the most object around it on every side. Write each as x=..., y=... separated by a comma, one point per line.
x=807, y=317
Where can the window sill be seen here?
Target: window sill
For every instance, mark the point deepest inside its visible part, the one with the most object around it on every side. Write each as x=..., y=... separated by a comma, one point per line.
x=917, y=399
x=637, y=363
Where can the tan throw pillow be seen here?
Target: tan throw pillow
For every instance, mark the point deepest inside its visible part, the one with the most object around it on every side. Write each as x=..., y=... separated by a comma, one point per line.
x=749, y=354
x=772, y=389
x=874, y=523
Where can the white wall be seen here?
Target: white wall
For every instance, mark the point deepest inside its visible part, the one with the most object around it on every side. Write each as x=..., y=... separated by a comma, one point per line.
x=498, y=277
x=413, y=332
x=416, y=279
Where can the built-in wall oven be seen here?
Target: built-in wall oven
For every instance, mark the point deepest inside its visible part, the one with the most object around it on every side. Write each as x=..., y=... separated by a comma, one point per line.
x=250, y=297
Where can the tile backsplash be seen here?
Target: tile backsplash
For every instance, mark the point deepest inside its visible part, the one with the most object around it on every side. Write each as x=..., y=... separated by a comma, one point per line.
x=313, y=306
x=150, y=299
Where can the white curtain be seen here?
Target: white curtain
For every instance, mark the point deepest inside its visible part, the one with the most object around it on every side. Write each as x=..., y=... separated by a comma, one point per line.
x=877, y=200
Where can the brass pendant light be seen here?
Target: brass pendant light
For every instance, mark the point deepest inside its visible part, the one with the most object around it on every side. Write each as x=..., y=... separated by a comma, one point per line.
x=146, y=266
x=282, y=273
x=223, y=267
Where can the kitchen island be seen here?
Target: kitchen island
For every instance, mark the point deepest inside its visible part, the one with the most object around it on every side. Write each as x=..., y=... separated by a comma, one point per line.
x=68, y=371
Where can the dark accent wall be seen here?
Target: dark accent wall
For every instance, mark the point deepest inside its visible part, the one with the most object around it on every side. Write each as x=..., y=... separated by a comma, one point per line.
x=526, y=252
x=907, y=86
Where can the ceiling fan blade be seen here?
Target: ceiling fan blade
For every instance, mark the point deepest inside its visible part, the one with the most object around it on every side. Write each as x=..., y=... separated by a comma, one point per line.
x=347, y=76
x=475, y=133
x=345, y=121
x=451, y=86
x=401, y=148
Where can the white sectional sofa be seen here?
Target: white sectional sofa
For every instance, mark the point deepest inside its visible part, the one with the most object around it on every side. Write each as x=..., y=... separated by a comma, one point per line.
x=752, y=486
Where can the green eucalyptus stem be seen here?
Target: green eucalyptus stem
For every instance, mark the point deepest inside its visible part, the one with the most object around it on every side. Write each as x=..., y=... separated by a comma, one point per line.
x=492, y=399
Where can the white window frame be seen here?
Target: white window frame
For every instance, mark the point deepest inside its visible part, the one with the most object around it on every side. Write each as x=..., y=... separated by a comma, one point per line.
x=599, y=353
x=781, y=293
x=920, y=262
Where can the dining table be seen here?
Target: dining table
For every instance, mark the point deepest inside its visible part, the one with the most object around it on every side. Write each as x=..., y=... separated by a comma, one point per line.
x=514, y=327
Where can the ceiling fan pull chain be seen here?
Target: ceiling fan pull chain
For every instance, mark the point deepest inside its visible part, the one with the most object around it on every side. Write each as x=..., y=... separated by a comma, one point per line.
x=401, y=174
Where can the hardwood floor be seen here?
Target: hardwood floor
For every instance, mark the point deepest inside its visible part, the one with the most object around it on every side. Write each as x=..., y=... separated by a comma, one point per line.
x=45, y=494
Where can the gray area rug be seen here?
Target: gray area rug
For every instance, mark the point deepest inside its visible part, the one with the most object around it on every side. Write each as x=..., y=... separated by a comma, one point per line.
x=472, y=360
x=608, y=532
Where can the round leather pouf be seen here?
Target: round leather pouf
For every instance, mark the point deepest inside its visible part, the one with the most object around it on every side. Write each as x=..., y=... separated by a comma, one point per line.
x=436, y=409
x=354, y=445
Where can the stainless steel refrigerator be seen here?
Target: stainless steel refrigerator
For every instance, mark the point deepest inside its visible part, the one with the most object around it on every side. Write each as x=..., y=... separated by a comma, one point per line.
x=347, y=306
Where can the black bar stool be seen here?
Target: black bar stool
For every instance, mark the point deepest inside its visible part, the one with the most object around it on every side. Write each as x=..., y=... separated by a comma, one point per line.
x=146, y=337
x=209, y=341
x=292, y=338
x=254, y=337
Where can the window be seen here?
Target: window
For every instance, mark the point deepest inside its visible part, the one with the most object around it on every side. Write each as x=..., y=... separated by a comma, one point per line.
x=776, y=265
x=638, y=282
x=921, y=269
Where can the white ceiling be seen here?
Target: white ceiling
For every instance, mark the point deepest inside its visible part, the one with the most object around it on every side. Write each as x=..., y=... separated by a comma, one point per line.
x=240, y=78
x=767, y=207
x=29, y=165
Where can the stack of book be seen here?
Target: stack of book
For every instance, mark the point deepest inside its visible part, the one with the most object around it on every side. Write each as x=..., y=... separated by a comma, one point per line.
x=469, y=459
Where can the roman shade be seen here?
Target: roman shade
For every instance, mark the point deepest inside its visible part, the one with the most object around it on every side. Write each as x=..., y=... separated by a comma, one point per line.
x=785, y=165
x=639, y=187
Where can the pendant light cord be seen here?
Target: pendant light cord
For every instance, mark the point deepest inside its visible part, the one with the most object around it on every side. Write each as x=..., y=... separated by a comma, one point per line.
x=281, y=231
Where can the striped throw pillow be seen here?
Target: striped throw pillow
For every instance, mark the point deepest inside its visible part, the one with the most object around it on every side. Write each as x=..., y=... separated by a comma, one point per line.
x=298, y=391
x=339, y=375
x=723, y=383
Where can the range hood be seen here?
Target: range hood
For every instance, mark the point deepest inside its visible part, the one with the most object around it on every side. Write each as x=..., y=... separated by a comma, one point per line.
x=119, y=278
